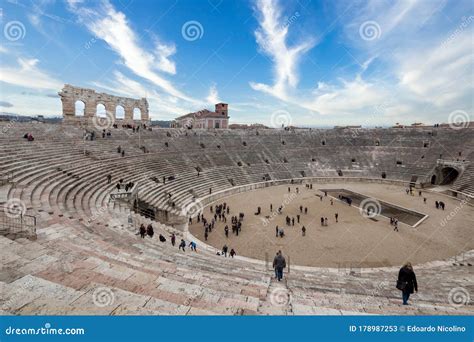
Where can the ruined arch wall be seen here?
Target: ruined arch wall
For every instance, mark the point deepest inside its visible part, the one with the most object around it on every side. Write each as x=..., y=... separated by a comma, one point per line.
x=70, y=94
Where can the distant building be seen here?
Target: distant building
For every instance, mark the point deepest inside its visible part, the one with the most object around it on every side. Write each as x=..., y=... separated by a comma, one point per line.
x=204, y=118
x=245, y=126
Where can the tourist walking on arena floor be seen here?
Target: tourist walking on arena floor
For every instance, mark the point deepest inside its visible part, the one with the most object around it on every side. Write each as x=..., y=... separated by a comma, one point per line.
x=303, y=230
x=232, y=253
x=279, y=263
x=407, y=282
x=336, y=216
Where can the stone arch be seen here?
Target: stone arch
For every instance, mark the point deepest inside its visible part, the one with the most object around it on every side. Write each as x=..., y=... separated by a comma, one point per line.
x=137, y=113
x=100, y=110
x=91, y=99
x=448, y=175
x=119, y=112
x=79, y=108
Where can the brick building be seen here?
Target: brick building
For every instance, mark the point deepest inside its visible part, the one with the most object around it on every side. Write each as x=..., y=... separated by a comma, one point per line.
x=204, y=118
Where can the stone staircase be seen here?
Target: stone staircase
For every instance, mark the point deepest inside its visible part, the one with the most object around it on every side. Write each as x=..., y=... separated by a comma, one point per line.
x=87, y=259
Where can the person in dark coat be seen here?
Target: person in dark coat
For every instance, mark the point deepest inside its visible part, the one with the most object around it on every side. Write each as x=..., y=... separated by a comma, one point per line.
x=279, y=263
x=407, y=282
x=224, y=250
x=149, y=230
x=142, y=231
x=173, y=239
x=182, y=245
x=226, y=231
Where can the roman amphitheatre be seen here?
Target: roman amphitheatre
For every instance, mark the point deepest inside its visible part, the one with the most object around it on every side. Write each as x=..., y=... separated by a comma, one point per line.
x=70, y=242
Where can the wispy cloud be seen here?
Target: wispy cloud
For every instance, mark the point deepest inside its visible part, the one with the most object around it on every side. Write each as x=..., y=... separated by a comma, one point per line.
x=112, y=26
x=441, y=74
x=409, y=77
x=27, y=74
x=164, y=63
x=160, y=106
x=272, y=37
x=213, y=96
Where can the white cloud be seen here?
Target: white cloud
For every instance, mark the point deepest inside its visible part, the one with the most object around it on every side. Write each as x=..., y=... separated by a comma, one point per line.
x=271, y=37
x=31, y=102
x=350, y=97
x=441, y=74
x=213, y=96
x=420, y=69
x=112, y=26
x=27, y=74
x=161, y=106
x=163, y=52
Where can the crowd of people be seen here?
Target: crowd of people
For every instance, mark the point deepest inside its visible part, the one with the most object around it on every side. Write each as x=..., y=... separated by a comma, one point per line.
x=406, y=282
x=219, y=213
x=121, y=184
x=106, y=133
x=149, y=231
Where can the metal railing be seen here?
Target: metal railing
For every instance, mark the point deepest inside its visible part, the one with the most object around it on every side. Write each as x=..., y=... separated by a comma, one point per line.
x=16, y=223
x=122, y=194
x=446, y=162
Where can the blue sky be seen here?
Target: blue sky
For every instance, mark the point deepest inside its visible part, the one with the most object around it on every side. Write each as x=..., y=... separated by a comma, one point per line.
x=315, y=63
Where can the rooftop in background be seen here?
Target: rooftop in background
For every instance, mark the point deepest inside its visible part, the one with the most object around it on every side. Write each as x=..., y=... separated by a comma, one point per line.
x=204, y=118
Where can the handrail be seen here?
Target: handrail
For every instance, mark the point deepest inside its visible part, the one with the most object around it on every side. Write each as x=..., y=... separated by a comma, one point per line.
x=22, y=223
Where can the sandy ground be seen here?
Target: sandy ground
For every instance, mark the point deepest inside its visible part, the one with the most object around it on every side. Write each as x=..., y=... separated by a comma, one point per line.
x=355, y=241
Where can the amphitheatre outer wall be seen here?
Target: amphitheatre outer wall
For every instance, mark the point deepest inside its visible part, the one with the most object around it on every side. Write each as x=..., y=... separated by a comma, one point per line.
x=70, y=95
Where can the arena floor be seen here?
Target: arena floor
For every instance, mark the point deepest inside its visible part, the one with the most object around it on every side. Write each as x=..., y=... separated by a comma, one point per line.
x=356, y=240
